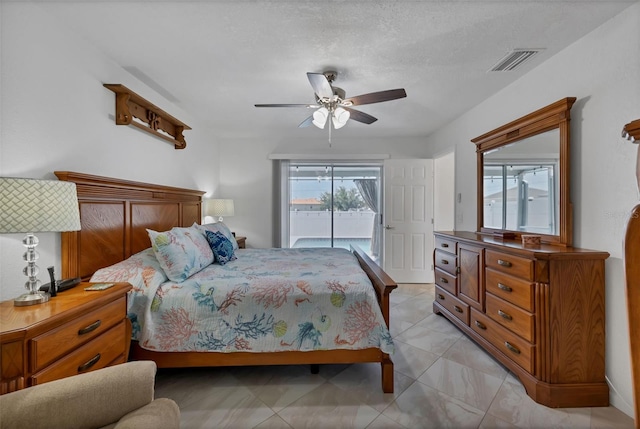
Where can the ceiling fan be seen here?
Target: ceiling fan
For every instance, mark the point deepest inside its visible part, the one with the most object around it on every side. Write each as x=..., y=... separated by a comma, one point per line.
x=332, y=103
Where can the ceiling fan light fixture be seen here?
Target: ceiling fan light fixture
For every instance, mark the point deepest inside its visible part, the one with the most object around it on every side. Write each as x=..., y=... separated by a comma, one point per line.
x=340, y=118
x=320, y=117
x=331, y=103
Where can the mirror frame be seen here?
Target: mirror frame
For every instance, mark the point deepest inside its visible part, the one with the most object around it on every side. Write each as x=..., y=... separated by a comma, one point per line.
x=555, y=115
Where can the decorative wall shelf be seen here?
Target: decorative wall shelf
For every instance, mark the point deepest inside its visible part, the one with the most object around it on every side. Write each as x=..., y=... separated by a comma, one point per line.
x=130, y=105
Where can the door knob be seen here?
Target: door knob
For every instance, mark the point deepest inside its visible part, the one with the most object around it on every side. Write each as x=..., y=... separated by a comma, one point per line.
x=388, y=227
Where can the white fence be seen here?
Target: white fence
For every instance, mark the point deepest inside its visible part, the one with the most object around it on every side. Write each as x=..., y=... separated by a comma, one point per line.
x=314, y=224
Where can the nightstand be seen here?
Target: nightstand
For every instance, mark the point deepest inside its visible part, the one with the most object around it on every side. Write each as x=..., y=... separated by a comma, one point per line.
x=76, y=332
x=241, y=242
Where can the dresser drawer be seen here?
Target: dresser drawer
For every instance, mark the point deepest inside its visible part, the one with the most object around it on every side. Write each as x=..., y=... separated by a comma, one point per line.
x=512, y=289
x=98, y=353
x=445, y=261
x=515, y=348
x=511, y=317
x=445, y=244
x=456, y=307
x=446, y=281
x=48, y=347
x=510, y=264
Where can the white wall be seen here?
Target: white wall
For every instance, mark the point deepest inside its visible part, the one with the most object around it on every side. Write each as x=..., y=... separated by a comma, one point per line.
x=56, y=115
x=603, y=71
x=444, y=171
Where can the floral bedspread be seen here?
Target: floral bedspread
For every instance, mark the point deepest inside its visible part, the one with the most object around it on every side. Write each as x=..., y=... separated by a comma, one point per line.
x=267, y=300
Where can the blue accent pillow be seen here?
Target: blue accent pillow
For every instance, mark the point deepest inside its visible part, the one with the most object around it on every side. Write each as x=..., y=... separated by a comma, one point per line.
x=221, y=228
x=221, y=246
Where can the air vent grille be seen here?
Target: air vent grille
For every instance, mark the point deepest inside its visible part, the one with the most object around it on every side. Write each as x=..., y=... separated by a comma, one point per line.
x=514, y=59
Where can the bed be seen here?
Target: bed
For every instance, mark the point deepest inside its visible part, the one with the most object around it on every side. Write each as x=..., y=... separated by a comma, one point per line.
x=116, y=216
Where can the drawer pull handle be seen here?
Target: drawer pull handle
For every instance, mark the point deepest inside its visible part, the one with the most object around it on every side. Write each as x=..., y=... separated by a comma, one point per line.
x=512, y=348
x=440, y=296
x=504, y=287
x=85, y=366
x=504, y=263
x=445, y=245
x=480, y=325
x=458, y=309
x=504, y=315
x=443, y=280
x=90, y=328
x=445, y=262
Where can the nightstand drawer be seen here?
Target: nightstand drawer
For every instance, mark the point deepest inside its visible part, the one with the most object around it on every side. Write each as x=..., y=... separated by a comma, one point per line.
x=48, y=347
x=98, y=353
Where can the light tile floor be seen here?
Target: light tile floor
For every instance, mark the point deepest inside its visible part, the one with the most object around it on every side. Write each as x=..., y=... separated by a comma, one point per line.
x=442, y=380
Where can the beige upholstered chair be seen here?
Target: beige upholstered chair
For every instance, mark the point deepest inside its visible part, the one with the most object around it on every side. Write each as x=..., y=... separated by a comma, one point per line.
x=119, y=396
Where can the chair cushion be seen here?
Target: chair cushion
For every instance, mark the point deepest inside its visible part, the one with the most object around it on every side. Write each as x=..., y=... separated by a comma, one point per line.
x=161, y=413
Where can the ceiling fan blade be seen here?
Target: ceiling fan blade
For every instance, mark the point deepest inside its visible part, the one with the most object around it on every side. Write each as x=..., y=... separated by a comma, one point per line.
x=320, y=85
x=359, y=116
x=376, y=97
x=307, y=122
x=308, y=106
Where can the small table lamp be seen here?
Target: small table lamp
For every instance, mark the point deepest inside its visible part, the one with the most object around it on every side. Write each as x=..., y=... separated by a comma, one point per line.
x=219, y=207
x=32, y=205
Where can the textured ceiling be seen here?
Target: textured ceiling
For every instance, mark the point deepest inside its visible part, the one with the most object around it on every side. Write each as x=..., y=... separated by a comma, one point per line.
x=218, y=58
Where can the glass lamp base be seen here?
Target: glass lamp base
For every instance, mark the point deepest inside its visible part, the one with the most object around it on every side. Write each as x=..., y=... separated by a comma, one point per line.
x=30, y=299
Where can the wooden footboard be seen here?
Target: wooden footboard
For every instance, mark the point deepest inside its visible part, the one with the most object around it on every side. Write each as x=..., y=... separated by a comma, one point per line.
x=114, y=216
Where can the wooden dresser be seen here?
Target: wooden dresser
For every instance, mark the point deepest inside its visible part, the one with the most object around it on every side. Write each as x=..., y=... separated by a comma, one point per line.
x=539, y=310
x=75, y=332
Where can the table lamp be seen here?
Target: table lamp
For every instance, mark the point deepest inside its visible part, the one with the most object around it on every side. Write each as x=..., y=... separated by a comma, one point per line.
x=219, y=207
x=33, y=205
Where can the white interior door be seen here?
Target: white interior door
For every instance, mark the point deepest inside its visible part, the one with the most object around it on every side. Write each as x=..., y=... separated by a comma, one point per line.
x=407, y=219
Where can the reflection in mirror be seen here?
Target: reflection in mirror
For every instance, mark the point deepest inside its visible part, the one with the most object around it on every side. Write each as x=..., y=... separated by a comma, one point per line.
x=521, y=186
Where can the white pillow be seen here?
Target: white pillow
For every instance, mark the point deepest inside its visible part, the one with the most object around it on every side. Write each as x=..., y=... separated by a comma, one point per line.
x=181, y=252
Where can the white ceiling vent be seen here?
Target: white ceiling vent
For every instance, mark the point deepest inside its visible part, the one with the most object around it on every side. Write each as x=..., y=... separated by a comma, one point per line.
x=514, y=59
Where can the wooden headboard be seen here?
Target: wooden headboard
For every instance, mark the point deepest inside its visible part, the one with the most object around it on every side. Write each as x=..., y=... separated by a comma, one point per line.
x=114, y=217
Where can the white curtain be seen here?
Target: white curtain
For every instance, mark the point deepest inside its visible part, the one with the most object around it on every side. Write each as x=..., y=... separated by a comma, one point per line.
x=369, y=191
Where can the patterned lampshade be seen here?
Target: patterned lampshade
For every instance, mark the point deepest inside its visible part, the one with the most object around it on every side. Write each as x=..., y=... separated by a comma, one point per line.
x=219, y=207
x=32, y=205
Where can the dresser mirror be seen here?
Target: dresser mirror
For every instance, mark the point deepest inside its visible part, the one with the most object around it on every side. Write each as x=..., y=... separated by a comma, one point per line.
x=523, y=176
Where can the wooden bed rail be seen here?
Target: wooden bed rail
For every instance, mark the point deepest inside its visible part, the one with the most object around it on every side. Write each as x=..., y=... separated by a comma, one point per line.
x=382, y=283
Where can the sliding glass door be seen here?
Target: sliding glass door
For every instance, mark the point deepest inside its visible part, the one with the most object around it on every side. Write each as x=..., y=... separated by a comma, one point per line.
x=332, y=204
